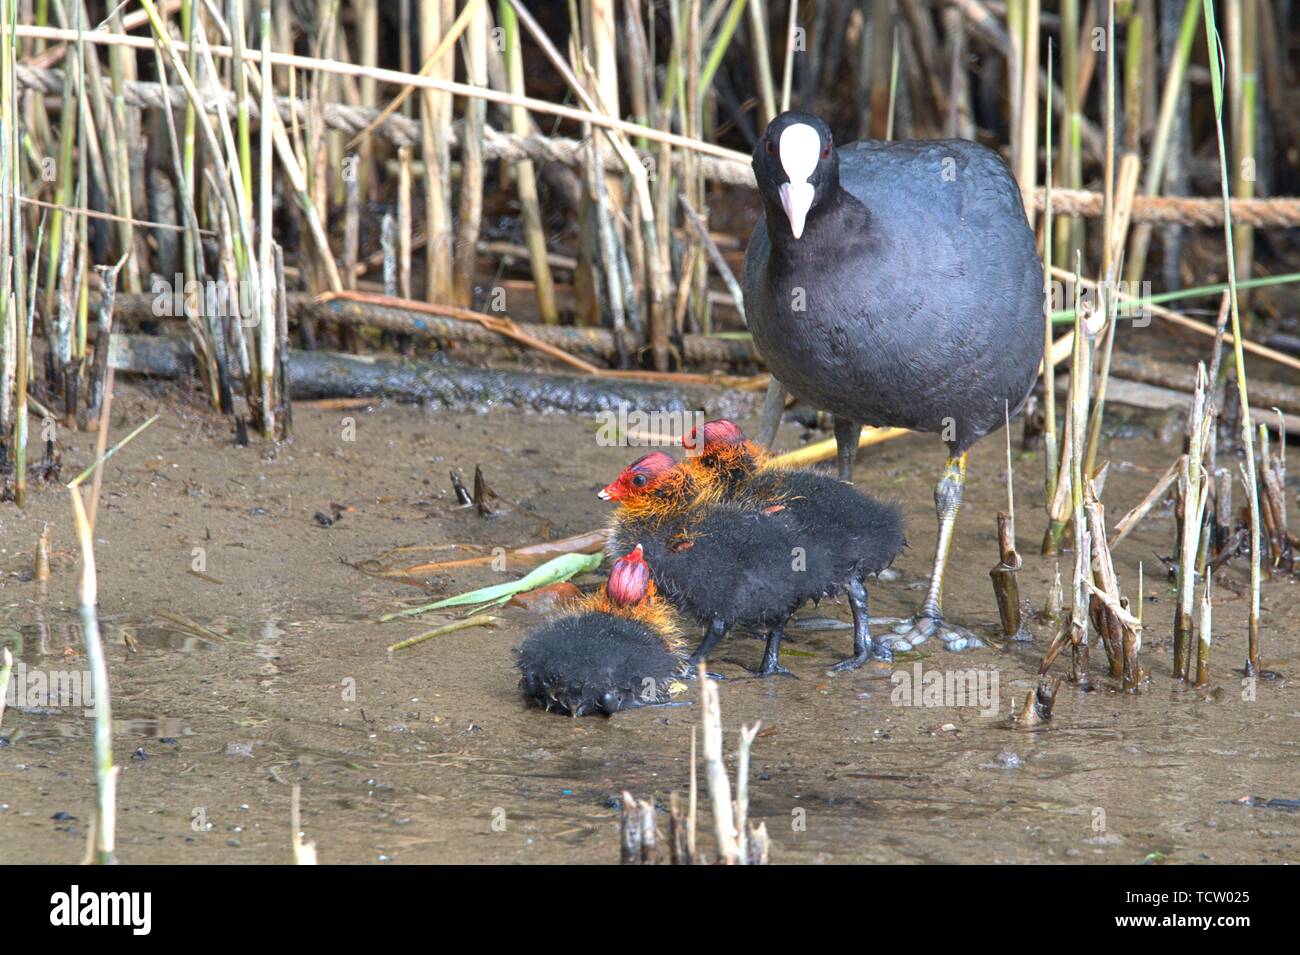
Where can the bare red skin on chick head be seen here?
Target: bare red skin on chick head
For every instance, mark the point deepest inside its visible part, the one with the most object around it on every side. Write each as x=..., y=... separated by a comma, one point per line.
x=639, y=477
x=629, y=581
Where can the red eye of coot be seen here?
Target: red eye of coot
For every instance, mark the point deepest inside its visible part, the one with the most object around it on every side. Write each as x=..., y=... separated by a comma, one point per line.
x=826, y=151
x=770, y=147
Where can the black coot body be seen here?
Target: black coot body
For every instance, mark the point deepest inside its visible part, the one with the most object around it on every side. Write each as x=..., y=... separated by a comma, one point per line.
x=594, y=662
x=914, y=296
x=859, y=535
x=719, y=562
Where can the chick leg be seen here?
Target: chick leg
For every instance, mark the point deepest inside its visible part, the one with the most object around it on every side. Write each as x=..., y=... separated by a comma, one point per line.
x=847, y=434
x=864, y=648
x=947, y=501
x=712, y=637
x=771, y=654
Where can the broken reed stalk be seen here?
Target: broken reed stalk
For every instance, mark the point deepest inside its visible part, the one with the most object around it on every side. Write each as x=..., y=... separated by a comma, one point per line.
x=678, y=845
x=1193, y=491
x=715, y=771
x=1165, y=122
x=693, y=798
x=1282, y=544
x=41, y=560
x=1247, y=430
x=1050, y=448
x=304, y=853
x=266, y=328
x=747, y=737
x=1039, y=703
x=1156, y=494
x=475, y=42
x=23, y=352
x=105, y=771
x=102, y=388
x=1205, y=637
x=1107, y=620
x=1074, y=629
x=1006, y=582
x=629, y=831
x=1133, y=674
x=739, y=841
x=1243, y=92
x=434, y=120
x=1005, y=574
x=525, y=172
x=1076, y=626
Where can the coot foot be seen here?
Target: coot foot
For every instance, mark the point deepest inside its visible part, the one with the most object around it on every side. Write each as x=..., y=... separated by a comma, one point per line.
x=929, y=622
x=771, y=664
x=864, y=646
x=857, y=660
x=912, y=633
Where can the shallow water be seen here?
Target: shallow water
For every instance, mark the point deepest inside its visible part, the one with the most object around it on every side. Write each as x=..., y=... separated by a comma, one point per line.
x=244, y=657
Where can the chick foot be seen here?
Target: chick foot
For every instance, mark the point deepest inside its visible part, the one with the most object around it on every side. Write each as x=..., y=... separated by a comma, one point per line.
x=771, y=665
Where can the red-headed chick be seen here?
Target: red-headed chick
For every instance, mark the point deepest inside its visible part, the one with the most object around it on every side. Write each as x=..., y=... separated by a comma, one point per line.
x=718, y=564
x=846, y=535
x=616, y=649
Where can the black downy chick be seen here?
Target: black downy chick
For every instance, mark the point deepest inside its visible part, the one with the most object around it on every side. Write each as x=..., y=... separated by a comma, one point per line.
x=615, y=650
x=718, y=563
x=852, y=535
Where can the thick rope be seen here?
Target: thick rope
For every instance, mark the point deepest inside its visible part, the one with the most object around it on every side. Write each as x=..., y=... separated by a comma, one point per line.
x=398, y=129
x=1280, y=212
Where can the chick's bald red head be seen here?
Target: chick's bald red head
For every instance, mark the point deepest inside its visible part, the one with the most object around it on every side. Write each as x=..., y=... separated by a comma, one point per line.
x=639, y=476
x=715, y=434
x=629, y=581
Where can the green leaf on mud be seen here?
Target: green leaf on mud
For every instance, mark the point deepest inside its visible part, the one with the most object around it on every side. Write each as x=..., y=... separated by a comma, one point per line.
x=554, y=571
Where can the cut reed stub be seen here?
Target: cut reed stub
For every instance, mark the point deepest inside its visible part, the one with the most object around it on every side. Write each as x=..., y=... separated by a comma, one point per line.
x=1282, y=544
x=1039, y=703
x=1204, y=638
x=678, y=841
x=1104, y=602
x=41, y=564
x=1006, y=582
x=630, y=835
x=1051, y=612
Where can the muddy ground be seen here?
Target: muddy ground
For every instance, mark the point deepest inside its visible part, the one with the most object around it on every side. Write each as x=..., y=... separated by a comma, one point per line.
x=267, y=668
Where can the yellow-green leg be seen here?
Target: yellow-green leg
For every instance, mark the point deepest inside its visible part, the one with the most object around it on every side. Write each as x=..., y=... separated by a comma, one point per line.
x=909, y=633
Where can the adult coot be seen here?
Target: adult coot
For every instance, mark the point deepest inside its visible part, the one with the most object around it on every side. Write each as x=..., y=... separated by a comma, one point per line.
x=895, y=284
